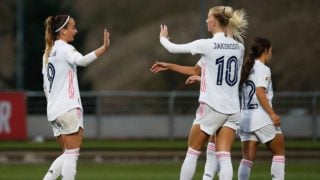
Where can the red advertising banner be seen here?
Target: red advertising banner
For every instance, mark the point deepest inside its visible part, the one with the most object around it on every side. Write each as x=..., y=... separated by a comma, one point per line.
x=12, y=116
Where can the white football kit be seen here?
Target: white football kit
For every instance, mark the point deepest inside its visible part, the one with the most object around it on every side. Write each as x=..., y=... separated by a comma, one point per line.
x=222, y=59
x=221, y=62
x=60, y=78
x=253, y=116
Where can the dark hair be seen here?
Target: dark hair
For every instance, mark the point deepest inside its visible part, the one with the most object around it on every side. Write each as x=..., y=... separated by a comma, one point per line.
x=59, y=22
x=258, y=46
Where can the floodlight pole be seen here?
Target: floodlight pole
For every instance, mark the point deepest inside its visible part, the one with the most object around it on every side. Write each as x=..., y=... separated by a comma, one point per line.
x=203, y=17
x=20, y=45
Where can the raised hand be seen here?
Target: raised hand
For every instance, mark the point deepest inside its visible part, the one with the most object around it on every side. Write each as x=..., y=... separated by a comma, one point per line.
x=163, y=31
x=106, y=39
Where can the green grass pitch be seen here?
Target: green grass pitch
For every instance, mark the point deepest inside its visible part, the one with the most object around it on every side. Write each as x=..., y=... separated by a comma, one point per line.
x=135, y=170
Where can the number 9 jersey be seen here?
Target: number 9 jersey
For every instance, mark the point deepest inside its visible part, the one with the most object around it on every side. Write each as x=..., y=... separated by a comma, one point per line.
x=253, y=116
x=60, y=78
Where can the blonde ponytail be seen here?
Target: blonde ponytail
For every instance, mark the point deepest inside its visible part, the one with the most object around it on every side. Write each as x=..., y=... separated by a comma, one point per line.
x=238, y=24
x=49, y=38
x=234, y=22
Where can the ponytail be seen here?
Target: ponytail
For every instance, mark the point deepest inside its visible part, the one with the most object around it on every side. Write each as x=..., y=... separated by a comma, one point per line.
x=258, y=46
x=234, y=22
x=49, y=38
x=238, y=24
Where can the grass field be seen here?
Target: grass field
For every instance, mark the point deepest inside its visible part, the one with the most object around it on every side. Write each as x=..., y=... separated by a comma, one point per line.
x=138, y=144
x=295, y=170
x=297, y=167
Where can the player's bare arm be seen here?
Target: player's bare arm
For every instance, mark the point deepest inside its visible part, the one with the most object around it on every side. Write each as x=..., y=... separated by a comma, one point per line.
x=260, y=92
x=105, y=45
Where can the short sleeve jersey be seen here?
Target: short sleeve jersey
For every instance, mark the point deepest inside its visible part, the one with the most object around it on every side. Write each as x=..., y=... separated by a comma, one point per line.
x=253, y=116
x=60, y=79
x=221, y=62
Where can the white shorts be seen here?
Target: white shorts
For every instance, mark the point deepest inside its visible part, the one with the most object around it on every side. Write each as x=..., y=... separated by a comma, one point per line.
x=210, y=120
x=263, y=135
x=68, y=123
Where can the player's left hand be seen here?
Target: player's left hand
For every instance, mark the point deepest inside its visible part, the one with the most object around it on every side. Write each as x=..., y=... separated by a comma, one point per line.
x=106, y=39
x=164, y=31
x=275, y=119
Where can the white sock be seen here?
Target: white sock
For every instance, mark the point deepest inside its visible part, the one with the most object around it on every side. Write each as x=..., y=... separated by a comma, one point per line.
x=211, y=162
x=69, y=168
x=225, y=165
x=277, y=167
x=55, y=169
x=189, y=164
x=244, y=169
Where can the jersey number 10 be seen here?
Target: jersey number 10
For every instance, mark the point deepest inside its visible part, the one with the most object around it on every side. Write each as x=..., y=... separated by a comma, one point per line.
x=232, y=68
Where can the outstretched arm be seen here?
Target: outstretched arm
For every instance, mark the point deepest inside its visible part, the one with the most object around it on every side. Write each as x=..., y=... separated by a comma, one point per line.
x=74, y=57
x=172, y=47
x=187, y=70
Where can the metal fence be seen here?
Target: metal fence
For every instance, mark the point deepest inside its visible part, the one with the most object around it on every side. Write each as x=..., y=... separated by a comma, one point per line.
x=172, y=103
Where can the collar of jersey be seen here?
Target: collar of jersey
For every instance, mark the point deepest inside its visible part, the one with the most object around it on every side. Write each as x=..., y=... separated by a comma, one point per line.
x=218, y=34
x=59, y=42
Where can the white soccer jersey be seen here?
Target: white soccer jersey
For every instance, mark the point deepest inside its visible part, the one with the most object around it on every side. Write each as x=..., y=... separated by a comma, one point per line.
x=60, y=78
x=221, y=64
x=253, y=116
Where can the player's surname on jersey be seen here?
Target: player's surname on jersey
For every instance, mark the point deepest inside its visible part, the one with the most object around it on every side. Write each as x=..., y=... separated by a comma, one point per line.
x=225, y=46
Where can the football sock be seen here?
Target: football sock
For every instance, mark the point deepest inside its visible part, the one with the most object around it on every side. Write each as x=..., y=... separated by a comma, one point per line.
x=211, y=162
x=244, y=169
x=225, y=165
x=277, y=167
x=189, y=164
x=55, y=169
x=69, y=168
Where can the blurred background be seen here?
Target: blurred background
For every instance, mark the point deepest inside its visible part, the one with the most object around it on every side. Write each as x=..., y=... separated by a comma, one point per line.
x=119, y=91
x=292, y=26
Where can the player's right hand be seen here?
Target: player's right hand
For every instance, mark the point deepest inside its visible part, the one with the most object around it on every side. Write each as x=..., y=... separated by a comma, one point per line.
x=193, y=79
x=159, y=66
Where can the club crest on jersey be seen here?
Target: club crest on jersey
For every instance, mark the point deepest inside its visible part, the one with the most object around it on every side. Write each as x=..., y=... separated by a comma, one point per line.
x=53, y=54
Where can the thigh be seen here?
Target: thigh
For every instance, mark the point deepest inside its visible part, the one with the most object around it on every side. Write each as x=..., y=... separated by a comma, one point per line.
x=249, y=149
x=224, y=139
x=197, y=138
x=276, y=145
x=73, y=141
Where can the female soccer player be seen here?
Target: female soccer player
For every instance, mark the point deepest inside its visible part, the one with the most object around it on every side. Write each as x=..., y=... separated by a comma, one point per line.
x=64, y=108
x=219, y=98
x=194, y=76
x=259, y=122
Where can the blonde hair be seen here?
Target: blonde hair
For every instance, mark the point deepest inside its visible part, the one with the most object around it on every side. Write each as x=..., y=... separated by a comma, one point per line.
x=234, y=22
x=49, y=38
x=53, y=25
